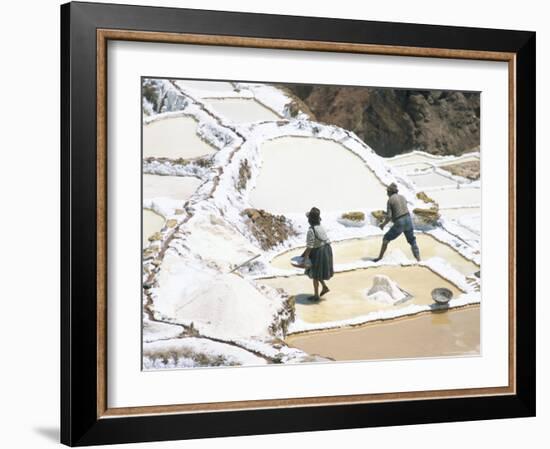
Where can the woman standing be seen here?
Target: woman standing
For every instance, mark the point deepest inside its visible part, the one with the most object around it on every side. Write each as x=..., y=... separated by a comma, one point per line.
x=319, y=252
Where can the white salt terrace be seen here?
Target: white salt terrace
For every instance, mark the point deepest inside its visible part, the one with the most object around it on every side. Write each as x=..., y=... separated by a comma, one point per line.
x=174, y=138
x=206, y=88
x=354, y=250
x=460, y=160
x=464, y=196
x=173, y=187
x=433, y=179
x=242, y=110
x=426, y=158
x=413, y=158
x=152, y=223
x=456, y=200
x=414, y=167
x=433, y=334
x=348, y=299
x=300, y=172
x=469, y=222
x=459, y=212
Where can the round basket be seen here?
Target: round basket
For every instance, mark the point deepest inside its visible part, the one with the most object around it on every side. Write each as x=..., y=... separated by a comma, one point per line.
x=297, y=261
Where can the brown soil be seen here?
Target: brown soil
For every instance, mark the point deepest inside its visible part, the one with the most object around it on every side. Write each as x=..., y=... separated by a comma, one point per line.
x=203, y=162
x=424, y=197
x=468, y=169
x=296, y=105
x=270, y=230
x=379, y=216
x=353, y=216
x=392, y=121
x=428, y=216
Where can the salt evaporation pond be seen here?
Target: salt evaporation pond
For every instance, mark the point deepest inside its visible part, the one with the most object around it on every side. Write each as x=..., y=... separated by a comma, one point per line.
x=469, y=222
x=354, y=250
x=433, y=334
x=207, y=87
x=426, y=158
x=465, y=196
x=347, y=298
x=300, y=172
x=242, y=110
x=174, y=138
x=414, y=167
x=459, y=212
x=413, y=158
x=152, y=222
x=460, y=160
x=431, y=180
x=173, y=187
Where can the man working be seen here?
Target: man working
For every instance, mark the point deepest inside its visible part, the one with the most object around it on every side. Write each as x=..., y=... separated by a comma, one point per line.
x=402, y=222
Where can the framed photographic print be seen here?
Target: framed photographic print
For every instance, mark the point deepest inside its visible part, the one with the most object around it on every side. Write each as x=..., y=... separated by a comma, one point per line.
x=276, y=224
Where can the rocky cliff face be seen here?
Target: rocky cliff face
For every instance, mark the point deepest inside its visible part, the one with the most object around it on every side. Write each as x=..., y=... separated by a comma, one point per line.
x=395, y=121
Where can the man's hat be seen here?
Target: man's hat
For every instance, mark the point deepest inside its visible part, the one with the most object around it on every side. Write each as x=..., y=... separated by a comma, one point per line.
x=392, y=188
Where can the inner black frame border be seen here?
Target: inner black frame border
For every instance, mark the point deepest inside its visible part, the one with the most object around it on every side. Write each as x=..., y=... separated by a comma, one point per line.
x=80, y=424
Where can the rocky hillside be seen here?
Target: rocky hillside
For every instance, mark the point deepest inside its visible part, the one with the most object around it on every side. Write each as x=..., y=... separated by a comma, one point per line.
x=395, y=121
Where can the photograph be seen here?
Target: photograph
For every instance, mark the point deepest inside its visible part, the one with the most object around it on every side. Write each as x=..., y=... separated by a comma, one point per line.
x=306, y=223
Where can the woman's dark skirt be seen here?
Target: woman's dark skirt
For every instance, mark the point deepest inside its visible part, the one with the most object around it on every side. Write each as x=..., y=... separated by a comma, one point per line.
x=321, y=263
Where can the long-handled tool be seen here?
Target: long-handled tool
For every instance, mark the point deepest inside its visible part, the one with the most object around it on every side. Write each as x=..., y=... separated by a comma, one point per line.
x=244, y=263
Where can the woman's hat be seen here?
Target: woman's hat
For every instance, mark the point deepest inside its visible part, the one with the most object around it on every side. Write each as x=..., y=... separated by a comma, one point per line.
x=314, y=212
